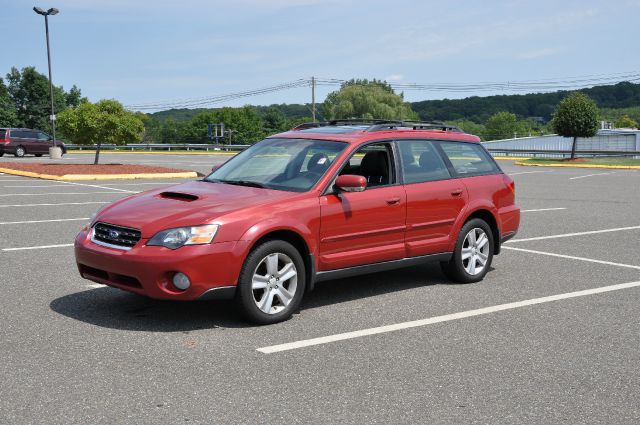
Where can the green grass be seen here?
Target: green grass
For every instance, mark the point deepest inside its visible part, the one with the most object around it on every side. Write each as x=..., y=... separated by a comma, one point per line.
x=585, y=161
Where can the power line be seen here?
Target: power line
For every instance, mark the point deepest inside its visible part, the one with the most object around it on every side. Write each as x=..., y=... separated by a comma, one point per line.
x=539, y=85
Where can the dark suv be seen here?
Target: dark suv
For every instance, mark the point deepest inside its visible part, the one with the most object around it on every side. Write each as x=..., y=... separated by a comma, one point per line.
x=22, y=141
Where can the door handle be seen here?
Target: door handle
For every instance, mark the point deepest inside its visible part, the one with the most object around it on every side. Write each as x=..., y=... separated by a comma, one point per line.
x=393, y=201
x=456, y=192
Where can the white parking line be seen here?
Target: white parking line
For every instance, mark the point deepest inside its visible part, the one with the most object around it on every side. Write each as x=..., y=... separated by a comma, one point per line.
x=567, y=235
x=439, y=319
x=543, y=209
x=59, y=193
x=24, y=248
x=52, y=205
x=590, y=175
x=95, y=286
x=43, y=221
x=571, y=257
x=100, y=187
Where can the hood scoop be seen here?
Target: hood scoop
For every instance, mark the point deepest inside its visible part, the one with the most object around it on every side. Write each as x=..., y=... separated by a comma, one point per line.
x=186, y=197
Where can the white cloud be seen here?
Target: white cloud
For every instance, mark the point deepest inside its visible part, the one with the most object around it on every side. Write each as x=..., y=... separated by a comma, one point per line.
x=395, y=77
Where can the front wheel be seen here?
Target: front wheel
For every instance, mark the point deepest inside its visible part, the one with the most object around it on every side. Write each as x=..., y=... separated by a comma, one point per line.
x=272, y=283
x=473, y=253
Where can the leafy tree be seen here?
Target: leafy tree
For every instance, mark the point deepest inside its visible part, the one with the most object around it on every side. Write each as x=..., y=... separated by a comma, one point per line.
x=29, y=91
x=626, y=122
x=366, y=99
x=576, y=116
x=103, y=122
x=274, y=121
x=244, y=123
x=504, y=125
x=74, y=98
x=8, y=115
x=470, y=127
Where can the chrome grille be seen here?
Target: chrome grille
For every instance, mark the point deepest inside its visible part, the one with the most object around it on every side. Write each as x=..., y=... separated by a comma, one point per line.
x=115, y=236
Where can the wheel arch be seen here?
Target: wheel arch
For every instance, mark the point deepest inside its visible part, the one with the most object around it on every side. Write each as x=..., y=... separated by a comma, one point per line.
x=296, y=239
x=490, y=218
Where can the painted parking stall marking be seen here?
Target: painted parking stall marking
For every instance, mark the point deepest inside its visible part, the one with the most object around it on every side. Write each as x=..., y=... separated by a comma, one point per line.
x=54, y=204
x=440, y=319
x=26, y=248
x=571, y=257
x=44, y=221
x=543, y=209
x=568, y=235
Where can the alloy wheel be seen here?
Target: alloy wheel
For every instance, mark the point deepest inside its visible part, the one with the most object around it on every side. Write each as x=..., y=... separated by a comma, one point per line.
x=475, y=251
x=274, y=283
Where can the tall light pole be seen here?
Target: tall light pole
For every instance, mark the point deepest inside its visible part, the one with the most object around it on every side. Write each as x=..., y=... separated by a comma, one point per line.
x=52, y=11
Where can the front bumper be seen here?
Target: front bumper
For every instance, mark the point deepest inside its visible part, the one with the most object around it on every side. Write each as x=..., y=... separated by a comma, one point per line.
x=213, y=269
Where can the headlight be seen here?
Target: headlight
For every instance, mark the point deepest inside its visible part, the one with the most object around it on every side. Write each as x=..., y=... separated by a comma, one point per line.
x=175, y=238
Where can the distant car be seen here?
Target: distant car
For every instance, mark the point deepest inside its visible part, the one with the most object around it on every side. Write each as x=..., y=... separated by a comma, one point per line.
x=322, y=201
x=24, y=141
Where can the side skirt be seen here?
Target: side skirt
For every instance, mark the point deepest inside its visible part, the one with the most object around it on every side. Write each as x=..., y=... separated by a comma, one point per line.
x=379, y=267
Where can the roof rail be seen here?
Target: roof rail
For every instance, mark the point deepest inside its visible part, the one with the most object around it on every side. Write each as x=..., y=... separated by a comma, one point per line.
x=380, y=125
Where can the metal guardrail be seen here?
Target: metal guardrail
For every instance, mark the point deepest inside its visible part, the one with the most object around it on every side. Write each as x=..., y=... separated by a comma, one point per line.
x=161, y=147
x=551, y=153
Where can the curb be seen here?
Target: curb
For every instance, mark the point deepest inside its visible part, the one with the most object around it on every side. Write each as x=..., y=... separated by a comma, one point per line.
x=152, y=153
x=72, y=177
x=618, y=167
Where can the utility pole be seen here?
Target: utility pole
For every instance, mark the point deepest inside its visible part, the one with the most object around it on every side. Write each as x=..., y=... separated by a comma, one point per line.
x=313, y=98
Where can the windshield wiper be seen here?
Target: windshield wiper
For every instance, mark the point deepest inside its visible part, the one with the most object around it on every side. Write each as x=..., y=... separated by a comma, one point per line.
x=242, y=183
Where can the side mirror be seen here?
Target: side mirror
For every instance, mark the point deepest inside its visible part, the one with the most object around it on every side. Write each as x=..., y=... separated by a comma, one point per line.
x=351, y=183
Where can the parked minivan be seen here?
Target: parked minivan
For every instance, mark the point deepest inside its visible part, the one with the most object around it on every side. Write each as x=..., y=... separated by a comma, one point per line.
x=323, y=201
x=23, y=141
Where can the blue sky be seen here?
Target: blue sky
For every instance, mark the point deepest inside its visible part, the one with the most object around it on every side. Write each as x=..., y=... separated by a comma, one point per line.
x=138, y=51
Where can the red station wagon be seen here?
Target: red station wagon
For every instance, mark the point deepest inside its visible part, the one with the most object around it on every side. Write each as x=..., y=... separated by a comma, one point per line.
x=322, y=201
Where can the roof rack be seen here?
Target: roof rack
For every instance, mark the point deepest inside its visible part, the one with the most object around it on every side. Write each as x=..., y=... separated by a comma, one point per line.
x=380, y=125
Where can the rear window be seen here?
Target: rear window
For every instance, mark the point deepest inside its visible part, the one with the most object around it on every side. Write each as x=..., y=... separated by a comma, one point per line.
x=469, y=159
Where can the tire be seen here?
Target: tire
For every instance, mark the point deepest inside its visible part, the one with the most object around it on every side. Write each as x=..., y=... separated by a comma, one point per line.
x=471, y=269
x=38, y=155
x=20, y=152
x=260, y=283
x=1, y=154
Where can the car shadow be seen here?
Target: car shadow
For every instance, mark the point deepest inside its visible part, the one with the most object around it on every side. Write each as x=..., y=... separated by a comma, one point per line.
x=115, y=309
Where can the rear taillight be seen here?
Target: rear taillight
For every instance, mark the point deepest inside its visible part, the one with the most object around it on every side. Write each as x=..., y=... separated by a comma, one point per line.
x=4, y=141
x=510, y=183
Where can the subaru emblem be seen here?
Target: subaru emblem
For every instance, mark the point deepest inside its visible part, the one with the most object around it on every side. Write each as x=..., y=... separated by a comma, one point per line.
x=113, y=234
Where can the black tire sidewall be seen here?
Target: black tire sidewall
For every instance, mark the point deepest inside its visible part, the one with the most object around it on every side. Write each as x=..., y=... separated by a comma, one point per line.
x=244, y=293
x=456, y=267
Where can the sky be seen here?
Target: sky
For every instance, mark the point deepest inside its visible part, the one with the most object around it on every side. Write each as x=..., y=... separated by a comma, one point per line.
x=163, y=50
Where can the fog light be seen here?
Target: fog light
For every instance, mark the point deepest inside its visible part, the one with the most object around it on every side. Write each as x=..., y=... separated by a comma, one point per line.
x=181, y=281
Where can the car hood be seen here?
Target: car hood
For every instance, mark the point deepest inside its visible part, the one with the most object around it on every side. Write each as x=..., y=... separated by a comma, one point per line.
x=188, y=204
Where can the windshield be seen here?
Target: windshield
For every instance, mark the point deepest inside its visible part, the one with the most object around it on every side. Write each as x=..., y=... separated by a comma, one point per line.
x=294, y=165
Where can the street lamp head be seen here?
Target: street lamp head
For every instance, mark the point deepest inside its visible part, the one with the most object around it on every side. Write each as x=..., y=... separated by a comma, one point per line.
x=52, y=11
x=39, y=11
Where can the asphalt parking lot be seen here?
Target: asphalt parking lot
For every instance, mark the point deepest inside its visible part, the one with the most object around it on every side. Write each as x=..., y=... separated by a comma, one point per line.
x=550, y=335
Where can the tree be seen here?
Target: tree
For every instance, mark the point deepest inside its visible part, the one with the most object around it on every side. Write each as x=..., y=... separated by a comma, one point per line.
x=274, y=121
x=504, y=125
x=8, y=115
x=626, y=122
x=470, y=127
x=367, y=99
x=576, y=116
x=245, y=123
x=29, y=91
x=103, y=122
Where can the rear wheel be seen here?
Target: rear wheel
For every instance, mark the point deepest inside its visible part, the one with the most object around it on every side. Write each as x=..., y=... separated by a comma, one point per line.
x=473, y=253
x=20, y=151
x=272, y=282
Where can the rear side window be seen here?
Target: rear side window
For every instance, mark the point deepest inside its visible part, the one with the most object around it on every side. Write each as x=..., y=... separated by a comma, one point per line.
x=17, y=133
x=421, y=162
x=3, y=133
x=469, y=159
